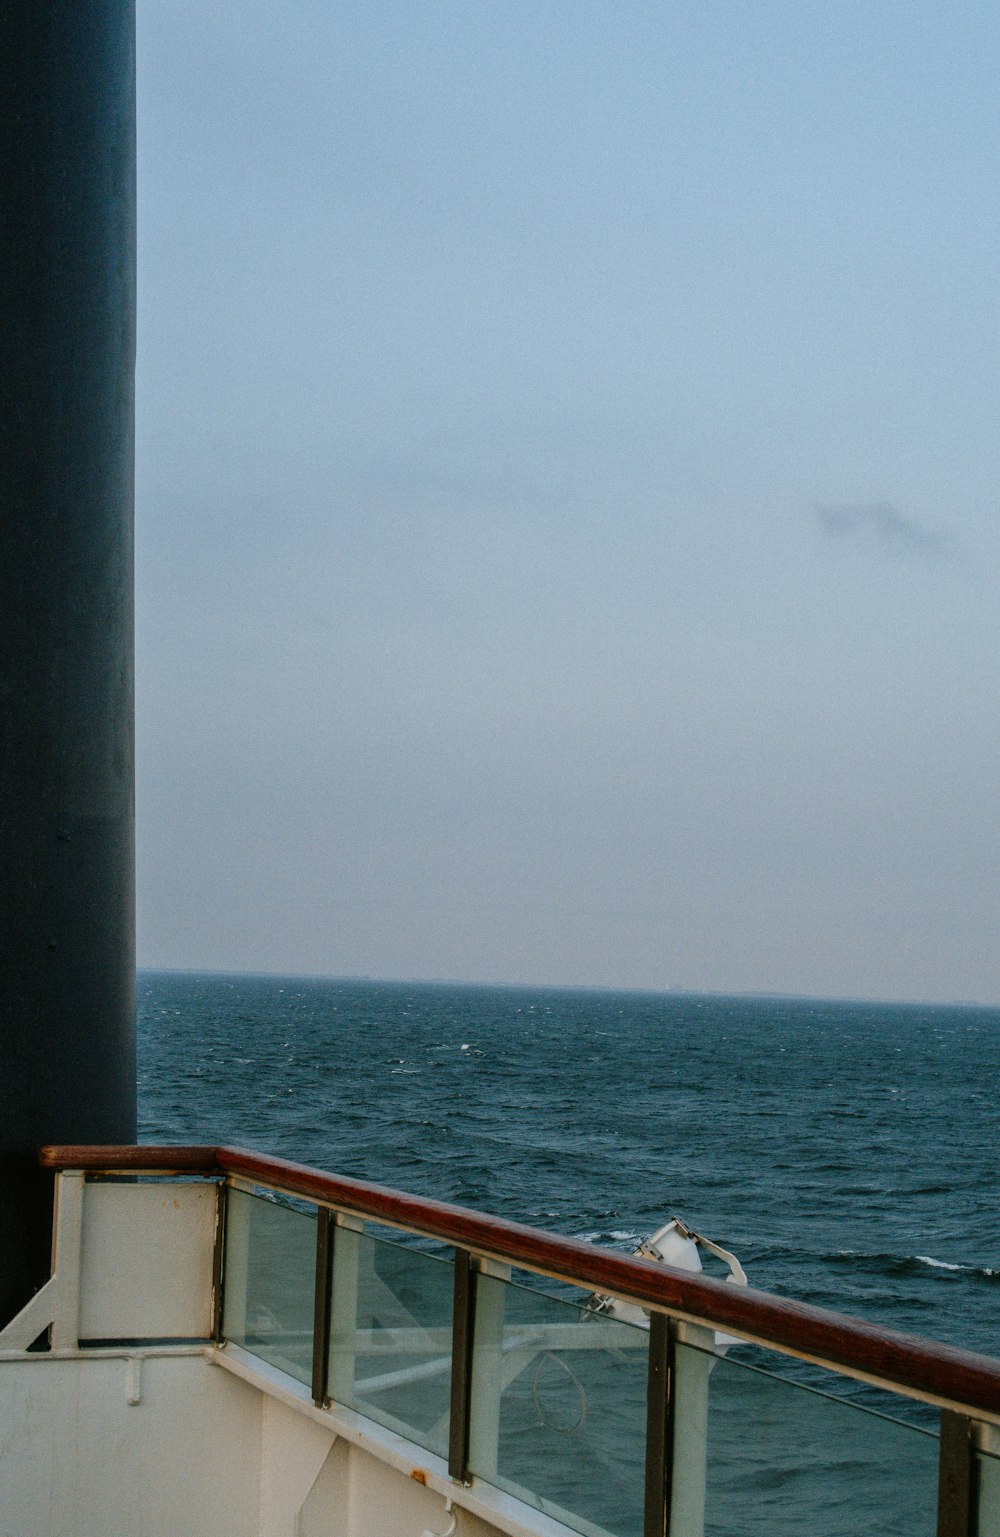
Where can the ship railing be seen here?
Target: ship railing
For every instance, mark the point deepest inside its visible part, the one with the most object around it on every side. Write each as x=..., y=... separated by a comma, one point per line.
x=706, y=1408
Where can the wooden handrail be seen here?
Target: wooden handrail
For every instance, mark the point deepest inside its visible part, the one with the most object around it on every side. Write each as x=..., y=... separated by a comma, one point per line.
x=115, y=1159
x=944, y=1373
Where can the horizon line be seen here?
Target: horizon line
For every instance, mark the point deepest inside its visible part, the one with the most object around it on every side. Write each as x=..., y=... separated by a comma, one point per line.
x=570, y=987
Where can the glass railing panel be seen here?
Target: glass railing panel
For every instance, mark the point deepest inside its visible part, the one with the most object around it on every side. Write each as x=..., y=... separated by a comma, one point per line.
x=988, y=1493
x=269, y=1281
x=756, y=1455
x=390, y=1336
x=559, y=1407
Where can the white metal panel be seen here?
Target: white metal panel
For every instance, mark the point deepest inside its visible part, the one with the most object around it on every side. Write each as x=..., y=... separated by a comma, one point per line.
x=293, y=1450
x=146, y=1266
x=77, y=1459
x=384, y=1505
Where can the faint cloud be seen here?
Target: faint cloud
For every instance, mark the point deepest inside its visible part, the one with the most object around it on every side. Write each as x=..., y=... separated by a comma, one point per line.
x=880, y=525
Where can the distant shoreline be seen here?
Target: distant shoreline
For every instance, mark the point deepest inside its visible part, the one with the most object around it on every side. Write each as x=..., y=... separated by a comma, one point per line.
x=569, y=987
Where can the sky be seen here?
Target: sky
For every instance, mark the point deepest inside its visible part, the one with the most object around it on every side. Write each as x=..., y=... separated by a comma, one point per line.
x=567, y=491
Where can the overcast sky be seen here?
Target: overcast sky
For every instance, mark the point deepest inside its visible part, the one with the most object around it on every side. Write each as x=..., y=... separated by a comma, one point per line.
x=567, y=492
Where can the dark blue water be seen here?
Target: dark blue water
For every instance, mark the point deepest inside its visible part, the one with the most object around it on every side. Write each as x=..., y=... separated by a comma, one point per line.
x=847, y=1152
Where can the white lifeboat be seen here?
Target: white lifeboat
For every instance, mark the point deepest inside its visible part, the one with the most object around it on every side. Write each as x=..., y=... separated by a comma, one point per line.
x=678, y=1245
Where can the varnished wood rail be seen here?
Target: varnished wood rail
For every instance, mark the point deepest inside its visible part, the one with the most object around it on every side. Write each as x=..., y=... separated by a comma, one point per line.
x=944, y=1374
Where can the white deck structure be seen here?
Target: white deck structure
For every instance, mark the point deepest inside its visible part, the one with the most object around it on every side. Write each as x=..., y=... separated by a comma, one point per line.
x=138, y=1414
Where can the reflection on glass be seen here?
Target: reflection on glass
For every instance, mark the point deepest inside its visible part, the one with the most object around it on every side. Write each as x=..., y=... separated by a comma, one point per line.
x=269, y=1284
x=777, y=1459
x=559, y=1407
x=390, y=1343
x=988, y=1492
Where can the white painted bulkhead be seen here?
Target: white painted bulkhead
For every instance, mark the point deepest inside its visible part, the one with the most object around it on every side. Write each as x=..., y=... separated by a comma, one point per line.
x=168, y=1445
x=143, y=1437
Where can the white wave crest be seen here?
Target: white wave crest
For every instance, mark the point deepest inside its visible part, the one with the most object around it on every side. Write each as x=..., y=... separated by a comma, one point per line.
x=617, y=1235
x=938, y=1264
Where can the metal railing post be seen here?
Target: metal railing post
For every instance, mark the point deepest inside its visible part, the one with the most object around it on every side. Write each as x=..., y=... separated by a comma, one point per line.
x=659, y=1426
x=218, y=1261
x=462, y=1339
x=325, y=1228
x=956, y=1502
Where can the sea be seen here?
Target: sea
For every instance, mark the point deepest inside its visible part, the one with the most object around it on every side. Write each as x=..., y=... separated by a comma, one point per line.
x=846, y=1152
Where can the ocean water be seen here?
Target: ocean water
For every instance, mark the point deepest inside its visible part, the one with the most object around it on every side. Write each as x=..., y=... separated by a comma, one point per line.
x=847, y=1153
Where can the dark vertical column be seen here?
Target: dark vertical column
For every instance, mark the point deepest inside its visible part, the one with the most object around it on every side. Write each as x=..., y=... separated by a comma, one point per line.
x=956, y=1481
x=659, y=1426
x=67, y=343
x=326, y=1230
x=463, y=1335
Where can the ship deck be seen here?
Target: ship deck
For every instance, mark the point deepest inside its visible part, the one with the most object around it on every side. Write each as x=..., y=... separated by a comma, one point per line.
x=231, y=1343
